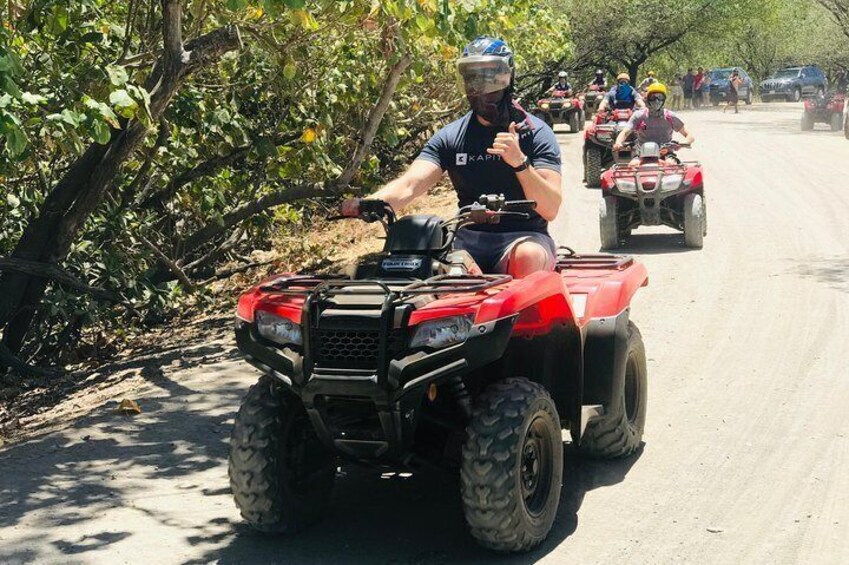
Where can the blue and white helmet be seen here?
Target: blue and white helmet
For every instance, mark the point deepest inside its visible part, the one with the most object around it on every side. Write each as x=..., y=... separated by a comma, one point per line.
x=486, y=65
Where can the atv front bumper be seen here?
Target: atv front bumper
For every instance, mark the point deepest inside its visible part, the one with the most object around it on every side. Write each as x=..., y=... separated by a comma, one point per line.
x=650, y=204
x=373, y=417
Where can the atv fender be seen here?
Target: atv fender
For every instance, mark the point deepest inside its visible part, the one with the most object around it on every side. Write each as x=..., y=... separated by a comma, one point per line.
x=605, y=355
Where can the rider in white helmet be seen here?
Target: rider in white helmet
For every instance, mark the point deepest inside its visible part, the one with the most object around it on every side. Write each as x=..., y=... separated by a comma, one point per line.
x=562, y=83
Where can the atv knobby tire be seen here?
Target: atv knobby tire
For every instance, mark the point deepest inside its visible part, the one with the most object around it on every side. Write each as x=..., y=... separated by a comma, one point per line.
x=807, y=121
x=512, y=466
x=620, y=430
x=281, y=475
x=695, y=220
x=575, y=122
x=608, y=222
x=592, y=167
x=837, y=122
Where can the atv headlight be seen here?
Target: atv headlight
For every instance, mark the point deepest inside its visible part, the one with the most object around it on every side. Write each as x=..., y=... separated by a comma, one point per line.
x=437, y=334
x=671, y=182
x=626, y=185
x=544, y=105
x=277, y=329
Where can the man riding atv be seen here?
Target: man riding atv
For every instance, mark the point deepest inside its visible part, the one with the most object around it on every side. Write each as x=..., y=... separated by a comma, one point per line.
x=494, y=147
x=622, y=96
x=562, y=83
x=654, y=123
x=647, y=82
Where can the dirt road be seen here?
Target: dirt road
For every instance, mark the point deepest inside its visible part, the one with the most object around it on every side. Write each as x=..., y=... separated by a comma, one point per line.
x=746, y=456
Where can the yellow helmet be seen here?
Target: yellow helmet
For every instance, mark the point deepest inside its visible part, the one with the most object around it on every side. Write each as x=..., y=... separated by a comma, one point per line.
x=651, y=74
x=623, y=76
x=656, y=87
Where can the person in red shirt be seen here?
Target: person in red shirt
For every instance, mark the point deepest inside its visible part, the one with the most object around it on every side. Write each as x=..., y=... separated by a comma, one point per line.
x=697, y=87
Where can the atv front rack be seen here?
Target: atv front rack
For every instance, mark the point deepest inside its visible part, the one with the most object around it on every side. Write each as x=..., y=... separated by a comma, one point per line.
x=304, y=285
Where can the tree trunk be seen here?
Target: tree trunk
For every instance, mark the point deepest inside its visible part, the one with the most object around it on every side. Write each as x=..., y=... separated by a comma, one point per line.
x=49, y=236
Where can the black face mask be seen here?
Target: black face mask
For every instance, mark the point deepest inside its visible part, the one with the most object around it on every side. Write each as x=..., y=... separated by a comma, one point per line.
x=493, y=107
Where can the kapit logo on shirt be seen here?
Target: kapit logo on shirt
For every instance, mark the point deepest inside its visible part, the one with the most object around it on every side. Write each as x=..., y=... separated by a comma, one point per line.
x=465, y=158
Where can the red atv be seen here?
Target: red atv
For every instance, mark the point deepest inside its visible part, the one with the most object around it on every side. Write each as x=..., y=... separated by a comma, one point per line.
x=598, y=145
x=415, y=362
x=824, y=109
x=661, y=190
x=561, y=108
x=592, y=98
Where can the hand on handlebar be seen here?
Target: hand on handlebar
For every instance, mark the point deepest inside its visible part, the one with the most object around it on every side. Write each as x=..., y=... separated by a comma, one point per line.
x=350, y=207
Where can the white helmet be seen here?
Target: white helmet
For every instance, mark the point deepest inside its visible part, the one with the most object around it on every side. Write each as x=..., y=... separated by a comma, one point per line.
x=562, y=74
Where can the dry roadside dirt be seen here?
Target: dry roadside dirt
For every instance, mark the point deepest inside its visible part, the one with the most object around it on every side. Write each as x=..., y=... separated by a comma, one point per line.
x=746, y=456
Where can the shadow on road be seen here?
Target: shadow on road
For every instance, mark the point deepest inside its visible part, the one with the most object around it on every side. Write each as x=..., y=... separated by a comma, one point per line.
x=654, y=244
x=831, y=271
x=160, y=477
x=415, y=520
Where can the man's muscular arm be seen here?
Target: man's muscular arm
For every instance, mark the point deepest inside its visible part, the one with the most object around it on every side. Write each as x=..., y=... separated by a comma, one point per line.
x=420, y=177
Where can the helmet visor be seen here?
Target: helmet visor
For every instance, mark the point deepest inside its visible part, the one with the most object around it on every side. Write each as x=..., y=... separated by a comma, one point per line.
x=656, y=101
x=484, y=74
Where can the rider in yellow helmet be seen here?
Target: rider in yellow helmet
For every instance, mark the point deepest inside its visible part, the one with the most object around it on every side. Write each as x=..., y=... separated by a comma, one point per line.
x=654, y=123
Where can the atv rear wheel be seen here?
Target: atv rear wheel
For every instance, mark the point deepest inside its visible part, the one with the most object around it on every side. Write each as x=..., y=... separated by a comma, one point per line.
x=608, y=222
x=846, y=128
x=807, y=121
x=512, y=466
x=695, y=221
x=749, y=97
x=620, y=430
x=837, y=122
x=592, y=167
x=281, y=475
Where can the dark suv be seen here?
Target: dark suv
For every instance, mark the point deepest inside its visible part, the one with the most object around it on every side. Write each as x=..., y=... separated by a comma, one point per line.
x=793, y=83
x=720, y=87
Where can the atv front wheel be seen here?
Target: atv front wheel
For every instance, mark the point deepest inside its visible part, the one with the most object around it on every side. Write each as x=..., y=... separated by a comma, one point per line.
x=695, y=220
x=837, y=122
x=608, y=222
x=281, y=475
x=619, y=431
x=592, y=167
x=575, y=122
x=512, y=466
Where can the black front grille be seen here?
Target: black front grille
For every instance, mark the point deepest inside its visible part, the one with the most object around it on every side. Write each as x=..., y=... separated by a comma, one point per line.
x=352, y=349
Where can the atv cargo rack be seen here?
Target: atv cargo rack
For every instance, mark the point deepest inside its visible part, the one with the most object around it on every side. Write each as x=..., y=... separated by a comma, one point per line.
x=568, y=259
x=335, y=285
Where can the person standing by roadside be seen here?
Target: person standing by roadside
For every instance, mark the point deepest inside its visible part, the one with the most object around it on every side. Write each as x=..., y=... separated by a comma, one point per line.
x=734, y=82
x=697, y=87
x=706, y=89
x=687, y=85
x=677, y=93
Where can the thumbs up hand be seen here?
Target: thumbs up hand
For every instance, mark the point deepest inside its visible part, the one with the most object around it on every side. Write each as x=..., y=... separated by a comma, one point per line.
x=506, y=145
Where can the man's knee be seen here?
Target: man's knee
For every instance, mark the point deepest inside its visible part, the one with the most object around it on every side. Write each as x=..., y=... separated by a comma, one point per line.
x=526, y=258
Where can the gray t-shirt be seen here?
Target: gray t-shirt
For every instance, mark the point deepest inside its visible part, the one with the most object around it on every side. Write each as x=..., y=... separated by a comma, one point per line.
x=460, y=149
x=658, y=129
